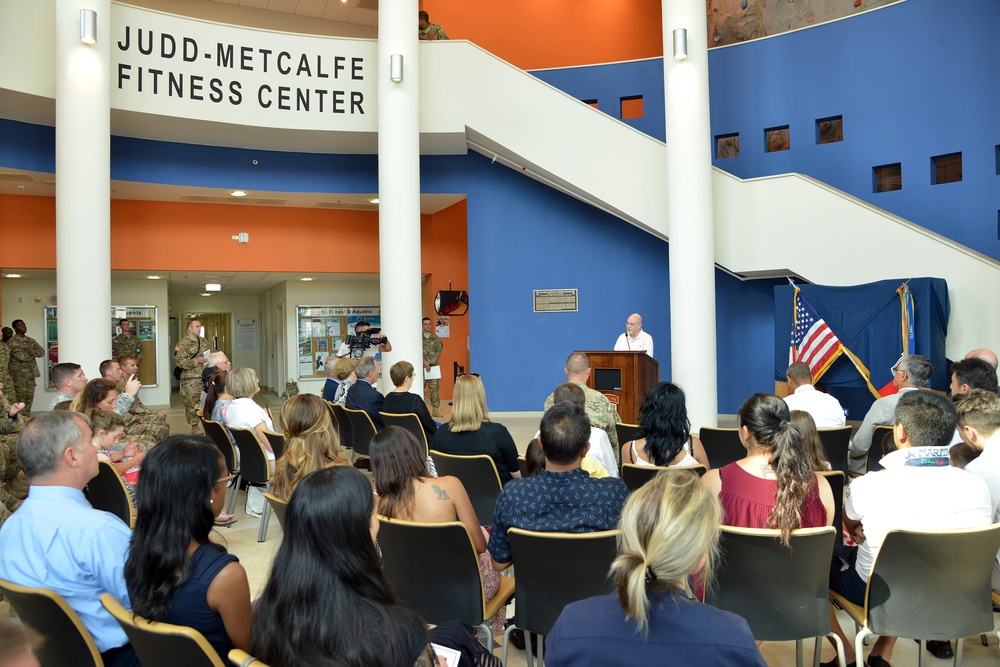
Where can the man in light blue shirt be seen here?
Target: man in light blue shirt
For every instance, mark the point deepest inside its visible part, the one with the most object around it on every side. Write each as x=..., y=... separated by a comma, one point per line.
x=56, y=540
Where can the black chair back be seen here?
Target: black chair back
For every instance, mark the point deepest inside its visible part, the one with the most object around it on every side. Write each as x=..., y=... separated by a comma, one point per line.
x=277, y=442
x=478, y=475
x=66, y=640
x=410, y=422
x=362, y=431
x=216, y=431
x=522, y=466
x=722, y=445
x=794, y=603
x=875, y=452
x=635, y=476
x=107, y=492
x=627, y=432
x=343, y=425
x=253, y=461
x=554, y=569
x=837, y=481
x=835, y=443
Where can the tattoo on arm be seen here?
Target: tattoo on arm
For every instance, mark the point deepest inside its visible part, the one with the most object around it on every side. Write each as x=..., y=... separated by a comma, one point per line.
x=441, y=493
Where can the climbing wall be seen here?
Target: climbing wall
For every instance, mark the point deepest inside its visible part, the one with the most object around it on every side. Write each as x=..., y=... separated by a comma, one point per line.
x=732, y=21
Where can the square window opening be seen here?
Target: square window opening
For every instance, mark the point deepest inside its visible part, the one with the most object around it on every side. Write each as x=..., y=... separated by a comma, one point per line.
x=946, y=169
x=632, y=107
x=829, y=130
x=727, y=146
x=592, y=103
x=776, y=139
x=888, y=177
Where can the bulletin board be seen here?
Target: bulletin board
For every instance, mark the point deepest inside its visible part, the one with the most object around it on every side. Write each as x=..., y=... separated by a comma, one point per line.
x=322, y=329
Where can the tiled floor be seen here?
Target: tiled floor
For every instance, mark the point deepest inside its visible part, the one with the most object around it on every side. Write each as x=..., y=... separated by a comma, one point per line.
x=257, y=558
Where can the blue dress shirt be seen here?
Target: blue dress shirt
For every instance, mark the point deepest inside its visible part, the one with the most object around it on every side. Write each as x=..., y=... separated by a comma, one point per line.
x=56, y=540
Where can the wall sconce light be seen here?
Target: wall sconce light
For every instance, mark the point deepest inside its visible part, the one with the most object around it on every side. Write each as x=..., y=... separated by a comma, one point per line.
x=88, y=26
x=396, y=67
x=680, y=43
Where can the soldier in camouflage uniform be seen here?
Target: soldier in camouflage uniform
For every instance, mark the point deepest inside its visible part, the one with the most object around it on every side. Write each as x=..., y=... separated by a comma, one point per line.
x=432, y=355
x=125, y=344
x=190, y=355
x=602, y=412
x=139, y=420
x=23, y=367
x=8, y=381
x=12, y=490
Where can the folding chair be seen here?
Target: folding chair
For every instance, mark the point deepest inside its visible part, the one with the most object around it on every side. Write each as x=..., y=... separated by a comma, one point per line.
x=67, y=641
x=107, y=492
x=722, y=445
x=635, y=476
x=478, y=475
x=162, y=644
x=255, y=467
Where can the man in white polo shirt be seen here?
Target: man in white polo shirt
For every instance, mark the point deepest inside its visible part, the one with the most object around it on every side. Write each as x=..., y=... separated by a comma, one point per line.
x=634, y=337
x=979, y=426
x=918, y=490
x=825, y=410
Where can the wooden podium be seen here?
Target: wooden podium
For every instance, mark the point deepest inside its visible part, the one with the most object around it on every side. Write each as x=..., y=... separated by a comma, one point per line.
x=627, y=375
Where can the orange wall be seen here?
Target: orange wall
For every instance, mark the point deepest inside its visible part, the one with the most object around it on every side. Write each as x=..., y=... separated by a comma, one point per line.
x=445, y=257
x=535, y=34
x=28, y=230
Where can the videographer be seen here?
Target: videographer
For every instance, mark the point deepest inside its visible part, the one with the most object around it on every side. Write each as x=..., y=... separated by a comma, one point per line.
x=365, y=342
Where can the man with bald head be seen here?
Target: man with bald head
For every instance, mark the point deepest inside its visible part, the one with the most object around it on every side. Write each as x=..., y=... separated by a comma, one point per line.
x=634, y=338
x=989, y=356
x=601, y=412
x=826, y=410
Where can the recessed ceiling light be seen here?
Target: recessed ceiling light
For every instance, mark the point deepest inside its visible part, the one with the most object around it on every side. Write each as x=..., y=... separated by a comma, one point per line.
x=213, y=287
x=239, y=193
x=205, y=294
x=153, y=278
x=306, y=280
x=18, y=275
x=373, y=200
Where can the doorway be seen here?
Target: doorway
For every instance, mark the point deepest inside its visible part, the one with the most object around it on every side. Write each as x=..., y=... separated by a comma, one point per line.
x=217, y=330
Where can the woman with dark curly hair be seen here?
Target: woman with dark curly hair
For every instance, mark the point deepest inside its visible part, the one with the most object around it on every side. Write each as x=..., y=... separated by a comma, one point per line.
x=99, y=394
x=174, y=572
x=327, y=601
x=667, y=435
x=775, y=485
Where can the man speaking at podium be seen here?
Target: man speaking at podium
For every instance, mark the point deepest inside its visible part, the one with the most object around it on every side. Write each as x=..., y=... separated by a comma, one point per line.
x=634, y=337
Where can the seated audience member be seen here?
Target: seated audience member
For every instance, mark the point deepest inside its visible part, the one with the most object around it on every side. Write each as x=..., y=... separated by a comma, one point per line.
x=562, y=497
x=327, y=599
x=962, y=454
x=600, y=459
x=363, y=395
x=989, y=356
x=666, y=429
x=918, y=490
x=602, y=413
x=243, y=412
x=217, y=399
x=102, y=395
x=175, y=573
x=401, y=401
x=979, y=426
x=216, y=361
x=17, y=645
x=42, y=542
x=812, y=446
x=534, y=459
x=912, y=373
x=139, y=420
x=825, y=409
x=969, y=374
x=12, y=489
x=331, y=384
x=109, y=429
x=68, y=379
x=470, y=430
x=669, y=531
x=406, y=491
x=311, y=443
x=344, y=371
x=774, y=486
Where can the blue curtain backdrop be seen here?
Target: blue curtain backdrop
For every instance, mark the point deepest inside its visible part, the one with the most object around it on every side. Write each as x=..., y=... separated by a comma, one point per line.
x=867, y=320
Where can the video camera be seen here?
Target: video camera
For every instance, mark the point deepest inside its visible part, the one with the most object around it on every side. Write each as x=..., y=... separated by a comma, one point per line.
x=358, y=343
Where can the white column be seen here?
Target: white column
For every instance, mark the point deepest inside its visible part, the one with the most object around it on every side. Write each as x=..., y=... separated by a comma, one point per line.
x=399, y=186
x=689, y=212
x=83, y=186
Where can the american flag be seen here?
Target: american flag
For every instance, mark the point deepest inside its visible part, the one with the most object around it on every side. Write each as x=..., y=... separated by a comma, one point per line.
x=812, y=339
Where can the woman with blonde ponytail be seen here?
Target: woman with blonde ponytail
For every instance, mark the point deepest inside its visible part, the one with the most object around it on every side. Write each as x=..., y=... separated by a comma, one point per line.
x=774, y=486
x=311, y=443
x=669, y=530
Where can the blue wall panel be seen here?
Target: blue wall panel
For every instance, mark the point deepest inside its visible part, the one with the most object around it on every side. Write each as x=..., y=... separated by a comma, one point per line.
x=27, y=146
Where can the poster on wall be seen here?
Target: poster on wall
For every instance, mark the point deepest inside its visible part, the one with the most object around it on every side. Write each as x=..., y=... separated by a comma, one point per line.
x=443, y=326
x=321, y=332
x=246, y=333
